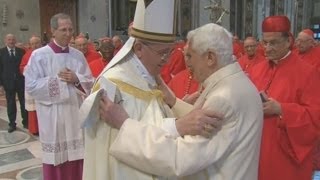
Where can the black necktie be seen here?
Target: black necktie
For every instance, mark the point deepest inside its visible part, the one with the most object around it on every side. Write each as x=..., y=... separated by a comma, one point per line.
x=11, y=53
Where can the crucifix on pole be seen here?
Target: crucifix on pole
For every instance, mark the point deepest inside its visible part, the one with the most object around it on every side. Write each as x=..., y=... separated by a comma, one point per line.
x=217, y=12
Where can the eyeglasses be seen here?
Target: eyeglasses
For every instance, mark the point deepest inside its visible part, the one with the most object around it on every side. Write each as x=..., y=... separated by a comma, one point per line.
x=302, y=40
x=250, y=46
x=65, y=30
x=164, y=54
x=273, y=44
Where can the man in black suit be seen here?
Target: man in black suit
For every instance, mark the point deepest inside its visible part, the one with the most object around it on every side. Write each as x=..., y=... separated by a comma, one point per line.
x=12, y=81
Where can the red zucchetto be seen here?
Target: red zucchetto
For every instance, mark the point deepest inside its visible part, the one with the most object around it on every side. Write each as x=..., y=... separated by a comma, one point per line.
x=276, y=24
x=308, y=32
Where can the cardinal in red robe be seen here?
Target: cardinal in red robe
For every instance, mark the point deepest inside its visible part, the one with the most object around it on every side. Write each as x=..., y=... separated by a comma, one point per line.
x=176, y=63
x=307, y=49
x=309, y=53
x=260, y=48
x=251, y=57
x=238, y=50
x=292, y=108
x=183, y=84
x=82, y=44
x=35, y=43
x=107, y=51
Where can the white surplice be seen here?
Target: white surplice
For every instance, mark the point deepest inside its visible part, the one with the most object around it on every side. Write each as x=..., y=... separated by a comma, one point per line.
x=230, y=154
x=57, y=102
x=141, y=102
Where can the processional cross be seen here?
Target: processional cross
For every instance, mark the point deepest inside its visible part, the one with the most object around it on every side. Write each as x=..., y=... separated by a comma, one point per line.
x=216, y=8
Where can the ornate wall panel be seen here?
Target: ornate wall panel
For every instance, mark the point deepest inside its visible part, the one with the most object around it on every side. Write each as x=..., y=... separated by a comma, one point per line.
x=248, y=18
x=276, y=7
x=48, y=8
x=237, y=22
x=185, y=20
x=299, y=15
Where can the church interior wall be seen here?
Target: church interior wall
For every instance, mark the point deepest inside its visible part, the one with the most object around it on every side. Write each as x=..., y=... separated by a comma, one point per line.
x=19, y=17
x=99, y=18
x=94, y=18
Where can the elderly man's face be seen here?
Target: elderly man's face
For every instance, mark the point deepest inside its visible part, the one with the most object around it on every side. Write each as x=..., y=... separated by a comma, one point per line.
x=250, y=46
x=197, y=63
x=82, y=45
x=35, y=42
x=107, y=50
x=155, y=55
x=276, y=46
x=10, y=41
x=304, y=42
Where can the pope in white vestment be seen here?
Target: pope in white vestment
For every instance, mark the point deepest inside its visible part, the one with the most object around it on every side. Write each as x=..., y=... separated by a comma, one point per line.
x=232, y=153
x=153, y=23
x=142, y=102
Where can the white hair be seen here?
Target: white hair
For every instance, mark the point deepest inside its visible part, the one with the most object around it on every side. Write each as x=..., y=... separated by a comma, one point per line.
x=215, y=38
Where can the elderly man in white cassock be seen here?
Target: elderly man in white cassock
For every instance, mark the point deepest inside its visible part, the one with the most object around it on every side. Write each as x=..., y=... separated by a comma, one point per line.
x=231, y=153
x=133, y=71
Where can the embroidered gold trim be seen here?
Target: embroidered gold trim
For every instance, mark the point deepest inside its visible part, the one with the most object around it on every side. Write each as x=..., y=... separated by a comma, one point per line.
x=134, y=91
x=150, y=36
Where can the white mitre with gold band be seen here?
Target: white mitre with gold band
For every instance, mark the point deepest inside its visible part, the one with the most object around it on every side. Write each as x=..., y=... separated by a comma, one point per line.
x=154, y=21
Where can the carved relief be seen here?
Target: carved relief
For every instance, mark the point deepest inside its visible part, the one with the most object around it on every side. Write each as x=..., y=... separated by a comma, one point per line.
x=280, y=7
x=272, y=7
x=299, y=15
x=20, y=14
x=276, y=7
x=248, y=17
x=186, y=17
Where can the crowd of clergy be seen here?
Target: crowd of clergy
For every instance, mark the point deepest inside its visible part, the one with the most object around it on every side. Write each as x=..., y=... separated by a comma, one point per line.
x=267, y=76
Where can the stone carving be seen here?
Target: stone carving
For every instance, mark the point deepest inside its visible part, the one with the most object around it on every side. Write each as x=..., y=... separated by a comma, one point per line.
x=217, y=11
x=93, y=18
x=248, y=17
x=280, y=7
x=20, y=14
x=4, y=14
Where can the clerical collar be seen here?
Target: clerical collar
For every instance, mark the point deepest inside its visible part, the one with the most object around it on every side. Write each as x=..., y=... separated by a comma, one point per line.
x=57, y=48
x=143, y=71
x=284, y=57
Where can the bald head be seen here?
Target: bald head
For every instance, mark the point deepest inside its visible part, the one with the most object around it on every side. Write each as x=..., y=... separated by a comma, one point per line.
x=10, y=40
x=35, y=42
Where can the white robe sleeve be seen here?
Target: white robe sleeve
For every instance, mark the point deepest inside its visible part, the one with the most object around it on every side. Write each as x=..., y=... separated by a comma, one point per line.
x=46, y=90
x=85, y=78
x=42, y=81
x=181, y=108
x=151, y=149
